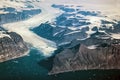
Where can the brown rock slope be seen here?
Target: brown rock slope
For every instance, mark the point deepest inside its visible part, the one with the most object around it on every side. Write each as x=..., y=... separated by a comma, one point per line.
x=11, y=46
x=106, y=55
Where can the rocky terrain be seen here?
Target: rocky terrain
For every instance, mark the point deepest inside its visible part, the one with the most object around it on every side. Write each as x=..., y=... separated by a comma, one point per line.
x=17, y=16
x=21, y=10
x=11, y=46
x=86, y=40
x=92, y=53
x=75, y=23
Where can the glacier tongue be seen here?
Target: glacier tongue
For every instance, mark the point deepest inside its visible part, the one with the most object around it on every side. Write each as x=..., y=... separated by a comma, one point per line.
x=22, y=27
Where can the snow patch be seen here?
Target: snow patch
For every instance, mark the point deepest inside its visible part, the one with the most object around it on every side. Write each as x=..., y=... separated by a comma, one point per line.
x=3, y=34
x=115, y=35
x=92, y=47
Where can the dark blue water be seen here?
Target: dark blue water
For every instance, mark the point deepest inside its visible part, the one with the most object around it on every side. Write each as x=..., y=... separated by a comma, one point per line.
x=27, y=68
x=23, y=68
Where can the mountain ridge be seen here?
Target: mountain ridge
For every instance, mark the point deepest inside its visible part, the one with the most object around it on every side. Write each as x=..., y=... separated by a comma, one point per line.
x=11, y=46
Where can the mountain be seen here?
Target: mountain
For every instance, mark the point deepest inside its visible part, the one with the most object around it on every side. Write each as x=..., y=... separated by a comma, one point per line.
x=75, y=23
x=11, y=46
x=21, y=10
x=86, y=40
x=58, y=34
x=89, y=54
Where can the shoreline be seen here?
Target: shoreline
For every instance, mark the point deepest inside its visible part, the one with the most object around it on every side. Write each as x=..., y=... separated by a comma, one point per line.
x=15, y=57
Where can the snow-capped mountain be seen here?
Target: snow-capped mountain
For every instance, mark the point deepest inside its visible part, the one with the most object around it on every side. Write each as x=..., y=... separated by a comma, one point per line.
x=19, y=16
x=13, y=10
x=76, y=23
x=66, y=19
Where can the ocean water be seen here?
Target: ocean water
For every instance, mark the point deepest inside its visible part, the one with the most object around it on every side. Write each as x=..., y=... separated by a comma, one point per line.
x=28, y=68
x=23, y=68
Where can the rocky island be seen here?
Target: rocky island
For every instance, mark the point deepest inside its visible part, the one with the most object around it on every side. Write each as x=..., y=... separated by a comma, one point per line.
x=11, y=46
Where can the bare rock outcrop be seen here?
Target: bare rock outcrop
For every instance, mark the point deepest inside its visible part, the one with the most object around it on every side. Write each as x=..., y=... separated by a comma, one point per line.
x=79, y=56
x=11, y=46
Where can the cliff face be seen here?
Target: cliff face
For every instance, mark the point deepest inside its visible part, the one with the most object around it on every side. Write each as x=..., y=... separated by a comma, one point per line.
x=11, y=46
x=80, y=56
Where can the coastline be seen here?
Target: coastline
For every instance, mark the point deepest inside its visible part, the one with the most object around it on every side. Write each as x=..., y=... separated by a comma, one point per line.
x=15, y=57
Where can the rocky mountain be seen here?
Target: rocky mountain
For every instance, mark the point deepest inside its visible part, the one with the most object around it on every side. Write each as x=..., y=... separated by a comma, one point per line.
x=21, y=10
x=58, y=34
x=11, y=46
x=92, y=53
x=17, y=16
x=75, y=23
